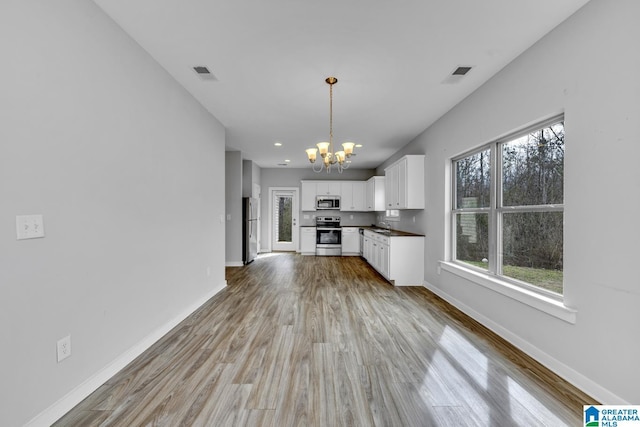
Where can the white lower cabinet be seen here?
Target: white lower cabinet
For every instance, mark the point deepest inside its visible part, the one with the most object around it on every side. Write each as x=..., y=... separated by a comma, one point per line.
x=350, y=241
x=366, y=248
x=308, y=240
x=400, y=259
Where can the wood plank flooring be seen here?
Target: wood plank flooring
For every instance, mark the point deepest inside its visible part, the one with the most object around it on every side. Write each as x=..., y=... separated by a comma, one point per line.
x=325, y=341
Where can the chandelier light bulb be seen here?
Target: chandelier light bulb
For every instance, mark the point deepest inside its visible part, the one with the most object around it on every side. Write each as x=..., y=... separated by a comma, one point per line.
x=311, y=154
x=324, y=148
x=348, y=148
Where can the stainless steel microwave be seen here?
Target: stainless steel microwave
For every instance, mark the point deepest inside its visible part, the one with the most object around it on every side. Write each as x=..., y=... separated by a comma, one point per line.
x=328, y=202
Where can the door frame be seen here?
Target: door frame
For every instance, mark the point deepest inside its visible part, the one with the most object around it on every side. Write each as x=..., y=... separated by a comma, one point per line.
x=256, y=193
x=295, y=212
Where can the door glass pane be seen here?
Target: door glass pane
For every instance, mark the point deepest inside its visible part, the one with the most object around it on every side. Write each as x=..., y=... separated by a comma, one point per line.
x=284, y=218
x=472, y=239
x=472, y=181
x=532, y=248
x=533, y=168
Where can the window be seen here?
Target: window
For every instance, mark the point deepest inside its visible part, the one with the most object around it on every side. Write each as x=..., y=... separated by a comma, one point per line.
x=507, y=213
x=283, y=217
x=392, y=215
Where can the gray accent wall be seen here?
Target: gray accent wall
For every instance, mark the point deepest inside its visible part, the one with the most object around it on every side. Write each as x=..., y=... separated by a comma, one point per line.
x=125, y=166
x=588, y=69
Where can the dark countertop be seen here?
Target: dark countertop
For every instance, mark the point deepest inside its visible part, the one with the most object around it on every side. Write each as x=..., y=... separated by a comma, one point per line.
x=392, y=232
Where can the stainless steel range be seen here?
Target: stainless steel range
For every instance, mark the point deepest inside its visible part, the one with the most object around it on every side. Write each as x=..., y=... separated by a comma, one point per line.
x=328, y=236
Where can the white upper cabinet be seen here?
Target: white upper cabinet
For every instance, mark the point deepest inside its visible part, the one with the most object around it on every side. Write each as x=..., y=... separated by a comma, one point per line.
x=374, y=194
x=352, y=196
x=328, y=188
x=404, y=183
x=308, y=196
x=312, y=189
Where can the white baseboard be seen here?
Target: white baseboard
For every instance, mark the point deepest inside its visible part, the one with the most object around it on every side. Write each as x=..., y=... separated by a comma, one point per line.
x=234, y=264
x=78, y=394
x=585, y=384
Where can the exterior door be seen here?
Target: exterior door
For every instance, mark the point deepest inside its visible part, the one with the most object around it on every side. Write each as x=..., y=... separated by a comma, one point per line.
x=284, y=219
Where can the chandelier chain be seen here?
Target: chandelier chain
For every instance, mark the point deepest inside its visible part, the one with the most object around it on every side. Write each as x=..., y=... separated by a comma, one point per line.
x=331, y=117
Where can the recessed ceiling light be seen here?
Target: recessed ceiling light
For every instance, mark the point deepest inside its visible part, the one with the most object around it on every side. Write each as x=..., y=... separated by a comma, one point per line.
x=278, y=144
x=287, y=160
x=358, y=145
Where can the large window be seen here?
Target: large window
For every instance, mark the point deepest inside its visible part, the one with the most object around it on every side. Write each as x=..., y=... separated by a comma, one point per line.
x=507, y=212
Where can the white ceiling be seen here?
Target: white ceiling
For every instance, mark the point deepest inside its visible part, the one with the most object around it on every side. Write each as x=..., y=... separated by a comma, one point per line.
x=393, y=60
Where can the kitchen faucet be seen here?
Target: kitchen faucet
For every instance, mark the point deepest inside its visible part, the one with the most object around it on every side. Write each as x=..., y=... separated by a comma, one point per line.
x=385, y=225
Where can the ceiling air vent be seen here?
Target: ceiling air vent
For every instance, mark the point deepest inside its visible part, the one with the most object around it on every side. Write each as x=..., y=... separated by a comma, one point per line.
x=204, y=72
x=457, y=75
x=461, y=71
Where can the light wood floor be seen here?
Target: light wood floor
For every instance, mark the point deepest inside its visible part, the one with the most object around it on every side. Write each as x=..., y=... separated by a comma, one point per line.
x=325, y=341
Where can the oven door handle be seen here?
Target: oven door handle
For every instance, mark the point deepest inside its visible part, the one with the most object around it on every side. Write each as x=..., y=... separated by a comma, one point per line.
x=328, y=229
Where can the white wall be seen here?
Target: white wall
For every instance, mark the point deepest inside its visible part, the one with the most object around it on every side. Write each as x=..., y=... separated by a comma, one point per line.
x=124, y=165
x=588, y=68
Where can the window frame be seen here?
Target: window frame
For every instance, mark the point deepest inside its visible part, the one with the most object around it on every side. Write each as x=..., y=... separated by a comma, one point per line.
x=496, y=210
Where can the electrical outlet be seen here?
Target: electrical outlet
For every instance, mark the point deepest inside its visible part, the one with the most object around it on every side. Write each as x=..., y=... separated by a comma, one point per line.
x=64, y=348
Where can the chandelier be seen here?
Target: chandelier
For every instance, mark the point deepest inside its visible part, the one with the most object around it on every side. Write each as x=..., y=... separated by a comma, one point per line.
x=331, y=158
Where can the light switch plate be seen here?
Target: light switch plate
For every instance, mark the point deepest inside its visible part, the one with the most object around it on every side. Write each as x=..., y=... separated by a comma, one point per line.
x=29, y=227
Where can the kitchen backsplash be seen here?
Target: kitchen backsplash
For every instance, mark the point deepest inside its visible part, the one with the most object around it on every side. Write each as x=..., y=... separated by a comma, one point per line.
x=308, y=218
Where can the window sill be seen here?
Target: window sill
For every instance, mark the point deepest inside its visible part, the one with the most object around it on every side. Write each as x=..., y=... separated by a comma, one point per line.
x=539, y=302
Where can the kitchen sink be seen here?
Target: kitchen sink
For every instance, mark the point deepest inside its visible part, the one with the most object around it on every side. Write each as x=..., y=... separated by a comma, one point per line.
x=381, y=230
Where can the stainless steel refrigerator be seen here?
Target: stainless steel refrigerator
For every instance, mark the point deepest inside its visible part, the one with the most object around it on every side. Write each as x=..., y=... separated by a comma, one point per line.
x=249, y=229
